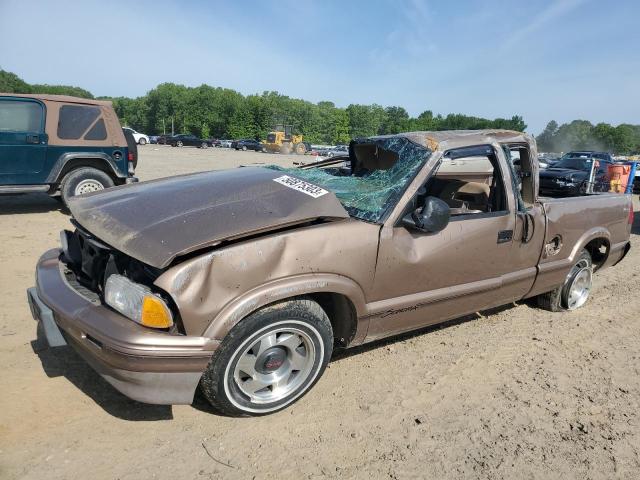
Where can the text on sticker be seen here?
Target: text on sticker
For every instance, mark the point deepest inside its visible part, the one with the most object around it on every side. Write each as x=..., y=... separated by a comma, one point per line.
x=301, y=186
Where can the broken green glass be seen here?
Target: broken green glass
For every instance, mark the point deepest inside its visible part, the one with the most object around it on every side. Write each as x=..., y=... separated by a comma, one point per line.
x=369, y=195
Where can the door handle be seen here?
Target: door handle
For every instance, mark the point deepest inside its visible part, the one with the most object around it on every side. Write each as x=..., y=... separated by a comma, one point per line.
x=505, y=236
x=33, y=138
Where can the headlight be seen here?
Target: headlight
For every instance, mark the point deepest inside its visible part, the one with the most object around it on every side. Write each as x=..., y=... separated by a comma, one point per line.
x=137, y=302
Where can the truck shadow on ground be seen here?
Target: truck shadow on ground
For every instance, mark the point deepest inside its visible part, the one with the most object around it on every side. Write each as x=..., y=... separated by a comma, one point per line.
x=64, y=361
x=340, y=354
x=31, y=203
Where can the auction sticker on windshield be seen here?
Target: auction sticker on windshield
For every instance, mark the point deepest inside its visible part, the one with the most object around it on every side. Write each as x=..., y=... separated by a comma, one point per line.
x=301, y=186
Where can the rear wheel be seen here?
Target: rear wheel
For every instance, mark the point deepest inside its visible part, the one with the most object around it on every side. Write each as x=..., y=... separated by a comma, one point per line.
x=244, y=148
x=203, y=145
x=84, y=180
x=270, y=359
x=300, y=149
x=142, y=141
x=178, y=143
x=576, y=289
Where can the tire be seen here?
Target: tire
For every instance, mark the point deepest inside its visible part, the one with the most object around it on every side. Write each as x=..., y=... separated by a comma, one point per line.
x=83, y=180
x=244, y=148
x=203, y=145
x=300, y=149
x=179, y=143
x=142, y=141
x=266, y=342
x=562, y=298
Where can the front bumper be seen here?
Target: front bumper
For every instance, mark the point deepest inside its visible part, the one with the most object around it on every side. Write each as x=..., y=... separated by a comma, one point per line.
x=143, y=364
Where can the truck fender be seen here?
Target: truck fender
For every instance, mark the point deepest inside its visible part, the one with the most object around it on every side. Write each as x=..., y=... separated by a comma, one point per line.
x=588, y=236
x=107, y=161
x=286, y=288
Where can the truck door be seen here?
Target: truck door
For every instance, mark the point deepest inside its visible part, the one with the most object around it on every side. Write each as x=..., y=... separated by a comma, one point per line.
x=23, y=142
x=529, y=233
x=425, y=278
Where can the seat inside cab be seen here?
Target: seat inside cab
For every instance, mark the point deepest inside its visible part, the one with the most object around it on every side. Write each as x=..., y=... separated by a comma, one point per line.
x=469, y=185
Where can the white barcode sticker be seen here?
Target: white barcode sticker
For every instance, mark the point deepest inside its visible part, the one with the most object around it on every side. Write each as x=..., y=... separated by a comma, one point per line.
x=301, y=186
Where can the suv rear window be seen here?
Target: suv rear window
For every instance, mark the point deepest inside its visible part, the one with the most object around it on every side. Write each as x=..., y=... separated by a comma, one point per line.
x=75, y=120
x=20, y=116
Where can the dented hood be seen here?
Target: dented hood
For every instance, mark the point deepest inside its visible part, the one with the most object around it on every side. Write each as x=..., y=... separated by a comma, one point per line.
x=159, y=220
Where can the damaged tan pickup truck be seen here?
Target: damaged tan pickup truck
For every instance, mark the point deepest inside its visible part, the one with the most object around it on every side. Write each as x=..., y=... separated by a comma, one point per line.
x=243, y=281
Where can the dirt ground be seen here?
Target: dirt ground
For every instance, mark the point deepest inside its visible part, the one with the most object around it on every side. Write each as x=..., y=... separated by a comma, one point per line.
x=513, y=393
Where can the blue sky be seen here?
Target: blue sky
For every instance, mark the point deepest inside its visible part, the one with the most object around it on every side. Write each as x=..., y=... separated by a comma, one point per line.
x=543, y=59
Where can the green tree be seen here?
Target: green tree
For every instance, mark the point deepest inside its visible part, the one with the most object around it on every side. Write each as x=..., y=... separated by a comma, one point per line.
x=11, y=83
x=545, y=139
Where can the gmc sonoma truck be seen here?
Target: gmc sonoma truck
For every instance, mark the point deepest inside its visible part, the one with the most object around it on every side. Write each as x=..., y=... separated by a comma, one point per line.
x=242, y=281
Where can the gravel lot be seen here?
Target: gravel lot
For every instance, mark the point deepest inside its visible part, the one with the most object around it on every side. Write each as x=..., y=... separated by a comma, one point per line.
x=513, y=393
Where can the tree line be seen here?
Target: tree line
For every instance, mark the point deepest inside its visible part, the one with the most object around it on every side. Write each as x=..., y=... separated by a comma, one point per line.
x=224, y=113
x=623, y=139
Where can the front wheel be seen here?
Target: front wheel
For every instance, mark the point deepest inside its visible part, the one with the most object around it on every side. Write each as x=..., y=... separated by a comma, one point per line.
x=84, y=180
x=179, y=143
x=270, y=359
x=203, y=145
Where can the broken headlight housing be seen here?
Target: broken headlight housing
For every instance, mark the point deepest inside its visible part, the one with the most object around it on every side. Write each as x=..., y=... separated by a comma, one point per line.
x=137, y=302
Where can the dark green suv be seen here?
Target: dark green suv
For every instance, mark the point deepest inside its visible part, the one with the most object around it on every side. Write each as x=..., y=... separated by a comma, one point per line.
x=61, y=145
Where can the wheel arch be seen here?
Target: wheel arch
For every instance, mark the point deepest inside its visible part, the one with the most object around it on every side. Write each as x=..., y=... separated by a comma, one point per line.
x=341, y=298
x=72, y=161
x=597, y=242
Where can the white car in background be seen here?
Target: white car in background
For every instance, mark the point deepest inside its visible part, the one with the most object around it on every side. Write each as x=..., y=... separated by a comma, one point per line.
x=140, y=138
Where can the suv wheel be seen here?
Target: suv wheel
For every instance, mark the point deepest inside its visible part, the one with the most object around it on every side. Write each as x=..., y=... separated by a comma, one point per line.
x=84, y=180
x=270, y=359
x=142, y=141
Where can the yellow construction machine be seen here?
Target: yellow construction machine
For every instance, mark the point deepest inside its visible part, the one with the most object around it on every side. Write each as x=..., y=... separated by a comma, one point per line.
x=282, y=140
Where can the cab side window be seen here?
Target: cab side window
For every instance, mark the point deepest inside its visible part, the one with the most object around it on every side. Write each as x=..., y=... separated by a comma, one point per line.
x=76, y=121
x=470, y=181
x=21, y=116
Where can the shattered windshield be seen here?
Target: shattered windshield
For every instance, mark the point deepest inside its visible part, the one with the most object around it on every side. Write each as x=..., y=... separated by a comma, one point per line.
x=380, y=171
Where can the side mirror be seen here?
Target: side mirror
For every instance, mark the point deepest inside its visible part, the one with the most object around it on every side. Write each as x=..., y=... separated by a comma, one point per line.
x=431, y=218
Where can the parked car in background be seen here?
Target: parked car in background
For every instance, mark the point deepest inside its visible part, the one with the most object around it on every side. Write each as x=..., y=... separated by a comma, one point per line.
x=247, y=144
x=163, y=139
x=320, y=150
x=214, y=142
x=63, y=146
x=141, y=138
x=570, y=175
x=153, y=139
x=225, y=143
x=187, y=140
x=338, y=150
